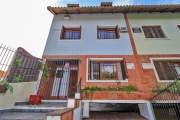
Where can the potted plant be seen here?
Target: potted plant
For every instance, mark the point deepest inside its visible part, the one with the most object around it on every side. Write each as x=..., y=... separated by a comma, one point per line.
x=4, y=86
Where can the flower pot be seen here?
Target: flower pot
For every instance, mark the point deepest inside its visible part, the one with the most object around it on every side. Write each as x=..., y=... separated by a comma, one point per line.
x=3, y=89
x=35, y=99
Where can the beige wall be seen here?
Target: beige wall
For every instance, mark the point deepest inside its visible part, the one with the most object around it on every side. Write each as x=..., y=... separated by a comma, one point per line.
x=168, y=21
x=21, y=93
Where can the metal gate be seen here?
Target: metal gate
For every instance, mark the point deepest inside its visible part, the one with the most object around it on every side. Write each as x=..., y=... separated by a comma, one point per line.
x=62, y=80
x=166, y=103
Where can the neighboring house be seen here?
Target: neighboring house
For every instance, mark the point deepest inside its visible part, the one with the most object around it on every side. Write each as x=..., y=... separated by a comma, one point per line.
x=106, y=45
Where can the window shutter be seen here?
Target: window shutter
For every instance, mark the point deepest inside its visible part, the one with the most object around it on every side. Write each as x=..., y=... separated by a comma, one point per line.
x=159, y=69
x=98, y=32
x=169, y=71
x=164, y=70
x=80, y=32
x=160, y=32
x=62, y=32
x=124, y=69
x=117, y=32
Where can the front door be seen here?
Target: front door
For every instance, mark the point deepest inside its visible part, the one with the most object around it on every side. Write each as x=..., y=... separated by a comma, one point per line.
x=72, y=83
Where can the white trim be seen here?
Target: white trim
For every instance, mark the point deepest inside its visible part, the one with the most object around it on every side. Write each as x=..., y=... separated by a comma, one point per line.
x=104, y=59
x=167, y=58
x=116, y=101
x=162, y=28
x=145, y=102
x=126, y=80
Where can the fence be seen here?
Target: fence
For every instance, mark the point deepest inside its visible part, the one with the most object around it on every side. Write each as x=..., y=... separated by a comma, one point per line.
x=166, y=104
x=63, y=79
x=17, y=65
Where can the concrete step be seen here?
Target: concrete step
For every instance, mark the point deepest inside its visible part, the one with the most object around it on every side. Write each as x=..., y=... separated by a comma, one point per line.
x=22, y=116
x=45, y=106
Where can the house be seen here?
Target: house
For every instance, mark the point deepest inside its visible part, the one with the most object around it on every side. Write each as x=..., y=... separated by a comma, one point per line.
x=108, y=46
x=116, y=56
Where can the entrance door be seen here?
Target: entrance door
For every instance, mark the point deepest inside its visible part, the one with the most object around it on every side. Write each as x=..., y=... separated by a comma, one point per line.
x=63, y=77
x=72, y=83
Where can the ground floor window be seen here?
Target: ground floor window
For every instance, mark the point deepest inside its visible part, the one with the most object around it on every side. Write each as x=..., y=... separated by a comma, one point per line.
x=167, y=69
x=107, y=70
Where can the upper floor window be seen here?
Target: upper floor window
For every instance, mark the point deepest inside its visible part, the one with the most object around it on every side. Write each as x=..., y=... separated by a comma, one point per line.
x=178, y=26
x=153, y=32
x=167, y=69
x=70, y=33
x=107, y=70
x=108, y=32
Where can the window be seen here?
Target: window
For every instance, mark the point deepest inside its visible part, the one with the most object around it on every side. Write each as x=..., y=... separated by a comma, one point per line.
x=178, y=26
x=70, y=33
x=153, y=32
x=107, y=70
x=108, y=33
x=167, y=70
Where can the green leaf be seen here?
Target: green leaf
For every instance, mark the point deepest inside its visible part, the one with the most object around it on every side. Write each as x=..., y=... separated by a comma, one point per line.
x=18, y=78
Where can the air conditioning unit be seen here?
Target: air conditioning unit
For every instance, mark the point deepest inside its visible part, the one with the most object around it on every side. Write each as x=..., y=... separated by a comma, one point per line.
x=123, y=29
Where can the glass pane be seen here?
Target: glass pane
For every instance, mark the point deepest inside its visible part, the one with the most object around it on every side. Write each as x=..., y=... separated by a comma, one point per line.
x=68, y=34
x=102, y=34
x=177, y=68
x=111, y=34
x=76, y=35
x=108, y=70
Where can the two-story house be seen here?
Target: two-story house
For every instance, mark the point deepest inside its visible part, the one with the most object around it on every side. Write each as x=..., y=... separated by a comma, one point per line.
x=108, y=46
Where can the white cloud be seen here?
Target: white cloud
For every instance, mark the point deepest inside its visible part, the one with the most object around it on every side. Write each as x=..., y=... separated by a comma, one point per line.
x=123, y=2
x=168, y=2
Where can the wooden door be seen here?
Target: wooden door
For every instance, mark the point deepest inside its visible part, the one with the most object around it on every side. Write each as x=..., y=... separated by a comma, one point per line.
x=72, y=83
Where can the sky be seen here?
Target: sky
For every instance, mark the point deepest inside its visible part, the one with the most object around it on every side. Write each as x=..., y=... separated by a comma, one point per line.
x=26, y=23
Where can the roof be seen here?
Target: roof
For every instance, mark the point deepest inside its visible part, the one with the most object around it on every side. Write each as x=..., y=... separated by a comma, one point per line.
x=114, y=9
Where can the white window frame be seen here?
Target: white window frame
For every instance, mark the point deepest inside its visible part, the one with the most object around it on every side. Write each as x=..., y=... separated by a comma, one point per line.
x=104, y=59
x=162, y=28
x=156, y=74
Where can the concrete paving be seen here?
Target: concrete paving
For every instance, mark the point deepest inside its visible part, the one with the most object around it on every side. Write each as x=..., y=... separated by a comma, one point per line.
x=22, y=116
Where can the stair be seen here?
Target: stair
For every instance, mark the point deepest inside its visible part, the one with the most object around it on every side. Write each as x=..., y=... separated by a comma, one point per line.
x=23, y=111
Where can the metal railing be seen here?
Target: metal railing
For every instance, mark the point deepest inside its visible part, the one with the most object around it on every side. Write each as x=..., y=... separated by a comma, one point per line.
x=166, y=103
x=17, y=65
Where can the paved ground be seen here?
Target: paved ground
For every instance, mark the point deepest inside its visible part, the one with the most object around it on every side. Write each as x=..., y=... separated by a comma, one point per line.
x=115, y=116
x=22, y=116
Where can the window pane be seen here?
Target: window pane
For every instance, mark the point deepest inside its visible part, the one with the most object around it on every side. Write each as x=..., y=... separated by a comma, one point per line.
x=68, y=34
x=177, y=68
x=76, y=35
x=108, y=70
x=102, y=34
x=111, y=34
x=153, y=32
